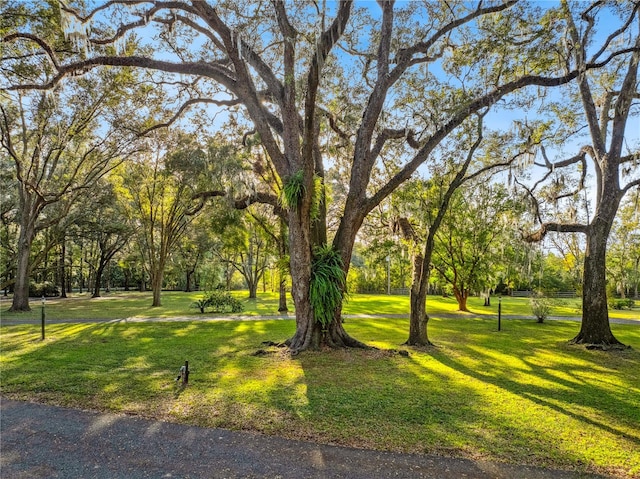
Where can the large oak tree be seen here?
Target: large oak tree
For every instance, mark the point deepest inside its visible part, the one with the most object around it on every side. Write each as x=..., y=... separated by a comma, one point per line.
x=608, y=100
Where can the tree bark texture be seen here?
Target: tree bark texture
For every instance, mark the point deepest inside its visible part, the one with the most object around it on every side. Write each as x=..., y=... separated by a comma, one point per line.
x=156, y=286
x=30, y=208
x=461, y=296
x=282, y=301
x=418, y=317
x=98, y=281
x=21, y=288
x=595, y=328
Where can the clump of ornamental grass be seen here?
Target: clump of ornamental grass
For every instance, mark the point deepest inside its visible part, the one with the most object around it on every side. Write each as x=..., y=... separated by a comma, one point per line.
x=540, y=306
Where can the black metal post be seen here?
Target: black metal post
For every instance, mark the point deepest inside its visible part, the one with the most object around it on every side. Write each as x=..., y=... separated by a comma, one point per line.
x=42, y=320
x=499, y=312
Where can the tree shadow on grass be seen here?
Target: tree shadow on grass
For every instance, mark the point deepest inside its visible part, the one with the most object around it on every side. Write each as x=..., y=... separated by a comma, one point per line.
x=450, y=398
x=119, y=366
x=578, y=389
x=433, y=401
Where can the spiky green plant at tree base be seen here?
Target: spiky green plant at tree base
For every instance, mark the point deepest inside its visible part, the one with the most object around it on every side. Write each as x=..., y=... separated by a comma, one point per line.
x=327, y=283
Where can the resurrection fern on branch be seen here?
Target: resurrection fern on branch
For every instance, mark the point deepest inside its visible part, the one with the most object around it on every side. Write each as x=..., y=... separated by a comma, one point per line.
x=327, y=283
x=292, y=191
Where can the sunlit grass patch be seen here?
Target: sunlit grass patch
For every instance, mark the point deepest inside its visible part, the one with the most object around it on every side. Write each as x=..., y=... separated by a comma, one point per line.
x=520, y=395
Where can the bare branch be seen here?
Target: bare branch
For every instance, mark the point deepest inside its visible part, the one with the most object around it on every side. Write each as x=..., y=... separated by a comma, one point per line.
x=545, y=228
x=184, y=107
x=34, y=38
x=239, y=203
x=630, y=186
x=615, y=34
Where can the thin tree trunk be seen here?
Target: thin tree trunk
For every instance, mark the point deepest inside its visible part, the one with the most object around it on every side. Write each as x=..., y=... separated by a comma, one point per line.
x=98, y=280
x=63, y=276
x=156, y=286
x=282, y=305
x=187, y=288
x=282, y=244
x=70, y=275
x=418, y=318
x=635, y=295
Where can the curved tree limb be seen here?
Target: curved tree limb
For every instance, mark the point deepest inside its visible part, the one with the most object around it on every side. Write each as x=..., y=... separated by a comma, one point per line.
x=554, y=227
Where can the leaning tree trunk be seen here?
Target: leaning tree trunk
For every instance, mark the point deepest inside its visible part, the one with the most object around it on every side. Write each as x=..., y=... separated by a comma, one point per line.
x=98, y=281
x=418, y=317
x=595, y=329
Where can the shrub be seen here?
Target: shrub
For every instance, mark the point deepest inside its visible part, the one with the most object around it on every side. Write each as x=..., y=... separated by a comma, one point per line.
x=618, y=303
x=219, y=302
x=540, y=306
x=223, y=302
x=46, y=289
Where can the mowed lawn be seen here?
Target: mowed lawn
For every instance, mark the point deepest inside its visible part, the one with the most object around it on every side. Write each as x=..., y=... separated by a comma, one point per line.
x=522, y=395
x=121, y=305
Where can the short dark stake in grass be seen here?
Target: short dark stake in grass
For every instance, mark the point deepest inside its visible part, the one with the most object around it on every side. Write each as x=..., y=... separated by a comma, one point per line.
x=184, y=374
x=499, y=313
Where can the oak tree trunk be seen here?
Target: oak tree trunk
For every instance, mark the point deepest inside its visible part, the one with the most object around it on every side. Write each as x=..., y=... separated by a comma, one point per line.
x=300, y=265
x=418, y=317
x=21, y=286
x=253, y=288
x=30, y=209
x=98, y=280
x=189, y=275
x=310, y=334
x=461, y=298
x=595, y=330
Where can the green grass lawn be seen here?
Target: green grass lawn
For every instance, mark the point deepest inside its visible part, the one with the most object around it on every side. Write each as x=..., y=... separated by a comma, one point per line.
x=521, y=395
x=119, y=305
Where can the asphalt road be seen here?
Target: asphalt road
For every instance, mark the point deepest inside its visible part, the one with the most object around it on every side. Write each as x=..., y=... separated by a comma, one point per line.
x=38, y=441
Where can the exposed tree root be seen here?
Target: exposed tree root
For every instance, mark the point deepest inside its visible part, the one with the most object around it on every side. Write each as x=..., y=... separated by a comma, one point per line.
x=277, y=345
x=418, y=344
x=609, y=345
